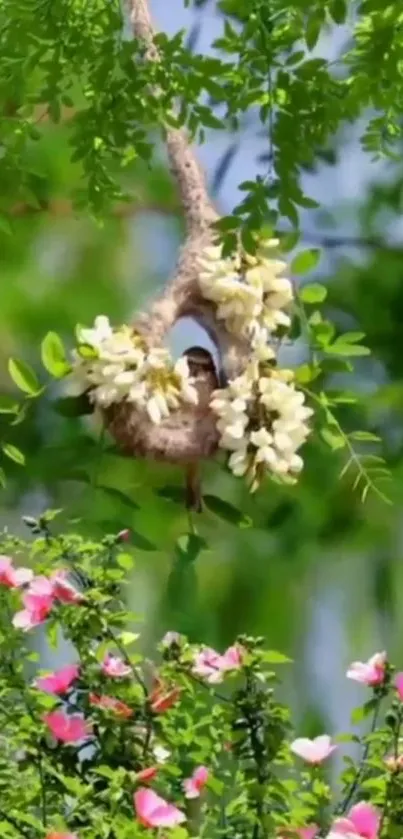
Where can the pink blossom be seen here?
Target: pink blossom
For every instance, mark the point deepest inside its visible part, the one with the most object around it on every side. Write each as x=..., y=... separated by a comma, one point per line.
x=38, y=601
x=109, y=703
x=67, y=728
x=148, y=774
x=63, y=589
x=211, y=665
x=13, y=577
x=115, y=667
x=195, y=784
x=313, y=751
x=162, y=698
x=363, y=820
x=59, y=681
x=153, y=811
x=371, y=672
x=170, y=638
x=56, y=835
x=399, y=685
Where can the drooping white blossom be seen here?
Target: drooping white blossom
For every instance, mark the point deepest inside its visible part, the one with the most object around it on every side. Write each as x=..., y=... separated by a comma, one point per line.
x=115, y=365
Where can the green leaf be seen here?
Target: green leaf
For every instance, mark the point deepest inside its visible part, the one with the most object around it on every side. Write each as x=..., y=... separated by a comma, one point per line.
x=313, y=27
x=332, y=437
x=361, y=713
x=8, y=405
x=352, y=337
x=118, y=495
x=226, y=511
x=338, y=10
x=54, y=356
x=364, y=437
x=24, y=377
x=172, y=493
x=3, y=479
x=190, y=545
x=127, y=638
x=13, y=453
x=341, y=348
x=125, y=561
x=313, y=293
x=73, y=406
x=305, y=261
x=306, y=373
x=141, y=542
x=273, y=657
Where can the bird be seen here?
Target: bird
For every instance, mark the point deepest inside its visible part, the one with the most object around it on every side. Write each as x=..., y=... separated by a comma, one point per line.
x=206, y=379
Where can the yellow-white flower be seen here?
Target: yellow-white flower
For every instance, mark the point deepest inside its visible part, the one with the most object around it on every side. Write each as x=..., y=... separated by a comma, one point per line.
x=100, y=332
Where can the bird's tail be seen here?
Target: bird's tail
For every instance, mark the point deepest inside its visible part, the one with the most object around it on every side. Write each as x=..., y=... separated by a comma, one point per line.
x=193, y=488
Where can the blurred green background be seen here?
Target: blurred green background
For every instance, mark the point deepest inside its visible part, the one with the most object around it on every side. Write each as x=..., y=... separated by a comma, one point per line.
x=311, y=568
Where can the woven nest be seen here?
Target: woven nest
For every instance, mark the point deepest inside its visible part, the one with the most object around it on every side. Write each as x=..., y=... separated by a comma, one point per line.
x=183, y=437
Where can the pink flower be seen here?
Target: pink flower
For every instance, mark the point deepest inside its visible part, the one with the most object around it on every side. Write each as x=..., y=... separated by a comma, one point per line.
x=161, y=698
x=54, y=834
x=153, y=811
x=170, y=638
x=194, y=785
x=115, y=667
x=211, y=665
x=399, y=685
x=363, y=820
x=13, y=577
x=371, y=672
x=38, y=601
x=109, y=703
x=313, y=751
x=148, y=774
x=59, y=681
x=63, y=590
x=67, y=728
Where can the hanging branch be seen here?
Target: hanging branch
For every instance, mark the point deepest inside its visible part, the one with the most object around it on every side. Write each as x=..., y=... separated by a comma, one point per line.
x=181, y=295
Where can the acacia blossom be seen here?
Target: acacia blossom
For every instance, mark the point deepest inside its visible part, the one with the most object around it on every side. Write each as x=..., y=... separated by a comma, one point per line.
x=67, y=728
x=153, y=811
x=313, y=751
x=115, y=667
x=371, y=672
x=59, y=681
x=194, y=785
x=115, y=365
x=13, y=577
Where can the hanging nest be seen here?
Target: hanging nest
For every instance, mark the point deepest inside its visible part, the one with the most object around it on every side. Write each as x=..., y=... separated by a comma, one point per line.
x=189, y=433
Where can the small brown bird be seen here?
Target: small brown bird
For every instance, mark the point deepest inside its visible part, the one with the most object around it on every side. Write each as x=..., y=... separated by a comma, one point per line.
x=203, y=371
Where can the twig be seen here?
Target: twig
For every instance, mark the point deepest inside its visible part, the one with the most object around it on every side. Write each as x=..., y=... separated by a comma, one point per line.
x=182, y=295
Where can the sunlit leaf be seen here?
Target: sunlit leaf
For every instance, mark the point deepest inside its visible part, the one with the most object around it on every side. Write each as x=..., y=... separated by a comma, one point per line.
x=54, y=356
x=13, y=453
x=24, y=377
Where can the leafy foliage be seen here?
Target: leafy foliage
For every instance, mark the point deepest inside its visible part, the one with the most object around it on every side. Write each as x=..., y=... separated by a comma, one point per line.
x=167, y=718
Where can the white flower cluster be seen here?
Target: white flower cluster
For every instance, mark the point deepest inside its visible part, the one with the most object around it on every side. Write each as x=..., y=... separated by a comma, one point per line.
x=249, y=293
x=262, y=422
x=115, y=365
